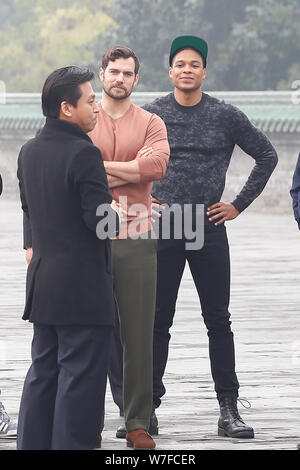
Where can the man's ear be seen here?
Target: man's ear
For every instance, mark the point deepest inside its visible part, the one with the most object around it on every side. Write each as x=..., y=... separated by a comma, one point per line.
x=101, y=74
x=65, y=109
x=170, y=72
x=136, y=80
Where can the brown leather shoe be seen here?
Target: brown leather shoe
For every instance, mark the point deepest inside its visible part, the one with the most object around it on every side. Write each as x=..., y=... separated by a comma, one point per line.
x=140, y=439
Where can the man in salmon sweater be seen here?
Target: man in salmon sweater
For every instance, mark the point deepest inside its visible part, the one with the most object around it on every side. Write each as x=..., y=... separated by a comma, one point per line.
x=135, y=150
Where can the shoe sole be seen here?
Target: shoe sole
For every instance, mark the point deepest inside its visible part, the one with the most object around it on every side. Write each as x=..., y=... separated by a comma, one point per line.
x=240, y=435
x=130, y=444
x=153, y=431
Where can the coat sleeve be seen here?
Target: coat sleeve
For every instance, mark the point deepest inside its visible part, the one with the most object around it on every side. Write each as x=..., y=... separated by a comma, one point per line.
x=295, y=192
x=27, y=236
x=27, y=239
x=89, y=177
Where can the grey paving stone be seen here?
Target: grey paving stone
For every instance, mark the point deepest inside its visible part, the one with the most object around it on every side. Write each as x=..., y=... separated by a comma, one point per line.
x=265, y=311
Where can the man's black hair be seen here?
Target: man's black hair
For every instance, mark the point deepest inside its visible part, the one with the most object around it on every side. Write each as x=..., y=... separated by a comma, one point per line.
x=183, y=48
x=63, y=85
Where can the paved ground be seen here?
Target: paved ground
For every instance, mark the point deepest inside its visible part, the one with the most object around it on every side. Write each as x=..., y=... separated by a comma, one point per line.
x=265, y=306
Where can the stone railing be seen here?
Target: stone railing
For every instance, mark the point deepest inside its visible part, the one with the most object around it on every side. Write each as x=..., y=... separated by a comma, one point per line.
x=234, y=97
x=284, y=137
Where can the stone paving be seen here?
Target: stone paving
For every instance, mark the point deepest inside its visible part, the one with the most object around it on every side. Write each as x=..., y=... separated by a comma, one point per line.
x=265, y=311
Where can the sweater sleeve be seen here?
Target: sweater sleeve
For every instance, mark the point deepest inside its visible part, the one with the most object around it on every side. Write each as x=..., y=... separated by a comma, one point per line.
x=295, y=192
x=155, y=167
x=252, y=141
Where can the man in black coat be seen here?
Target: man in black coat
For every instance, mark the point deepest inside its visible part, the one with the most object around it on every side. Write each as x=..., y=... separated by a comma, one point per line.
x=69, y=286
x=7, y=427
x=295, y=192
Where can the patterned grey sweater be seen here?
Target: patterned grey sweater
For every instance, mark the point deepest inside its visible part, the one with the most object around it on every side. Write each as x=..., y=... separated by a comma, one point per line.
x=202, y=139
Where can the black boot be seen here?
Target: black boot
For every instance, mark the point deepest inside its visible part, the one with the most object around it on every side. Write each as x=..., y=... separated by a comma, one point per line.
x=153, y=428
x=230, y=423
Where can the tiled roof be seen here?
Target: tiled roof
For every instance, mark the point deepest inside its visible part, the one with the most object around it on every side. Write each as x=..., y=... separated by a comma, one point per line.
x=270, y=111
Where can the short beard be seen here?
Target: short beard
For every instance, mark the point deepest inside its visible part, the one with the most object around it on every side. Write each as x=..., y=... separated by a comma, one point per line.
x=111, y=95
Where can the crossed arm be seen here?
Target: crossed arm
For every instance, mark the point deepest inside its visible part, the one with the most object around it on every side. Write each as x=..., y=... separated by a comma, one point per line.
x=150, y=162
x=121, y=173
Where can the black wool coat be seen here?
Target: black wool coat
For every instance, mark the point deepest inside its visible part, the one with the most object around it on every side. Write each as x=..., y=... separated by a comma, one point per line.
x=295, y=192
x=62, y=182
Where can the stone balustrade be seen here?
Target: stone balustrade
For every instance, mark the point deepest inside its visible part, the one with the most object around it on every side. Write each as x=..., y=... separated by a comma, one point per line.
x=274, y=112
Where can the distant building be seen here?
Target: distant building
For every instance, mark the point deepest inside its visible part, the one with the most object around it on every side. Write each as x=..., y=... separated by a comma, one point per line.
x=272, y=111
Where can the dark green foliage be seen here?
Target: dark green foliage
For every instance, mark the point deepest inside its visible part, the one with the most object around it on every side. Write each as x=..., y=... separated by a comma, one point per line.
x=253, y=44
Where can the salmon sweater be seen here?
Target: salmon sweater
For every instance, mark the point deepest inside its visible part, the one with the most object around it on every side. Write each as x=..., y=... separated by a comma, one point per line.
x=120, y=140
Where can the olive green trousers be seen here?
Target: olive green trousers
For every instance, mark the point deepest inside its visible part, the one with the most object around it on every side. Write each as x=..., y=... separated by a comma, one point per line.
x=134, y=268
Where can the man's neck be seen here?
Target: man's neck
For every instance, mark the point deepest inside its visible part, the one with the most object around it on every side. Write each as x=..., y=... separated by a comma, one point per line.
x=188, y=98
x=115, y=108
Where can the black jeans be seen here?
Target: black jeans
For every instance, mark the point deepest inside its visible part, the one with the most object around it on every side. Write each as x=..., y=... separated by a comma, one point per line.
x=210, y=268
